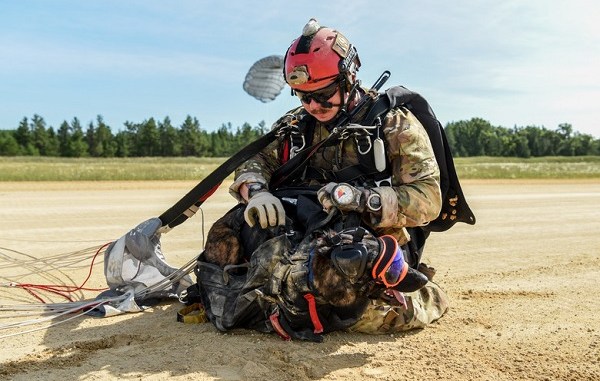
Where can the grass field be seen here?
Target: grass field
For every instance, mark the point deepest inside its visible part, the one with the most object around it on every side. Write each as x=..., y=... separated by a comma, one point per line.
x=192, y=168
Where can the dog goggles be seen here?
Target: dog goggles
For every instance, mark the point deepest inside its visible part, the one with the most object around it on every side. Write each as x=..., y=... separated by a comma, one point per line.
x=390, y=268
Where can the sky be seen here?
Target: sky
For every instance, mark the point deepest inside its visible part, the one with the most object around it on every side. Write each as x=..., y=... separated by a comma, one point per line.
x=512, y=63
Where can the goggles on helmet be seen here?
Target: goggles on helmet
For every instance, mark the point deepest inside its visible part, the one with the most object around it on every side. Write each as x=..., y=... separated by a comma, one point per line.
x=321, y=96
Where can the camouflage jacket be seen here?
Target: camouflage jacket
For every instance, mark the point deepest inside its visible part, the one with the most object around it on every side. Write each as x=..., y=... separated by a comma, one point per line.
x=413, y=199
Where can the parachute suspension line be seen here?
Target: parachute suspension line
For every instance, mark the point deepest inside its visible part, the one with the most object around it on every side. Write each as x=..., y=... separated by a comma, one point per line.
x=202, y=225
x=61, y=290
x=39, y=266
x=36, y=266
x=169, y=279
x=57, y=310
x=54, y=311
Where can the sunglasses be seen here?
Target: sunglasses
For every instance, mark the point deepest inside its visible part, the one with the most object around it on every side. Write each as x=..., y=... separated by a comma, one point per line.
x=321, y=96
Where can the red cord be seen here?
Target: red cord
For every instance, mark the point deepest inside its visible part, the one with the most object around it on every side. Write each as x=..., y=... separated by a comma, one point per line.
x=62, y=290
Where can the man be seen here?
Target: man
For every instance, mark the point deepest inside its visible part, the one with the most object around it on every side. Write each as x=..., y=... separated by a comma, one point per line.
x=401, y=195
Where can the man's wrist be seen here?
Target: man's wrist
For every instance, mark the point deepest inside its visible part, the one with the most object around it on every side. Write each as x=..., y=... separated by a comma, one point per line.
x=254, y=188
x=374, y=203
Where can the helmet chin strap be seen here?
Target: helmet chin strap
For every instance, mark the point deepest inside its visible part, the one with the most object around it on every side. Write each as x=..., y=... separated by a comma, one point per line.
x=345, y=101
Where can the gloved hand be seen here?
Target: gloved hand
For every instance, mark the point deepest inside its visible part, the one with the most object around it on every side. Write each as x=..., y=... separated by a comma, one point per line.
x=342, y=196
x=265, y=208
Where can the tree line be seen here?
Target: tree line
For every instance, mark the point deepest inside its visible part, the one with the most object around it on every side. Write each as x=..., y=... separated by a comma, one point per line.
x=475, y=137
x=148, y=138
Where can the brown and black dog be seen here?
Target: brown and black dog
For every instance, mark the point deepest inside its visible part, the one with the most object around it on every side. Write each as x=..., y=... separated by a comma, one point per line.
x=230, y=241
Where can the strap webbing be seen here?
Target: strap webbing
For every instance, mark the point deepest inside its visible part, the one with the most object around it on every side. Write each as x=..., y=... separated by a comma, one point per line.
x=296, y=163
x=188, y=205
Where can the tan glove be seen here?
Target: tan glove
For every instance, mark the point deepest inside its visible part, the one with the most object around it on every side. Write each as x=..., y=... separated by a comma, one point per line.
x=266, y=209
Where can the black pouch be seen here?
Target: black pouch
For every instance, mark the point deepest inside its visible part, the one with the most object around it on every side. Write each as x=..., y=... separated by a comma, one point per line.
x=221, y=293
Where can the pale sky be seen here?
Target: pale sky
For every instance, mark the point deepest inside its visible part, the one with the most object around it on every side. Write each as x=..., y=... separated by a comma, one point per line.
x=530, y=62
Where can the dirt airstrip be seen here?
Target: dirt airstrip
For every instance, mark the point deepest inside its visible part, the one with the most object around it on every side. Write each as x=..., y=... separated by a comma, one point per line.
x=523, y=284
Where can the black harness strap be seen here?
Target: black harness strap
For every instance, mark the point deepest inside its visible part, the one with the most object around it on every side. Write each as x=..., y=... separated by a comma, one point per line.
x=188, y=205
x=298, y=162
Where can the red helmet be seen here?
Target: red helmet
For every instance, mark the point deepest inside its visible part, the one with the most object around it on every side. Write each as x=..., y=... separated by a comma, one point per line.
x=318, y=57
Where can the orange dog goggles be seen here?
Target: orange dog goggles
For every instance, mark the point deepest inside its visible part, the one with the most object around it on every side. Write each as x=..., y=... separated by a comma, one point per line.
x=390, y=268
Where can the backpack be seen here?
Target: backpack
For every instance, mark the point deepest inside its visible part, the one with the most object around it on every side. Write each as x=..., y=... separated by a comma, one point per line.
x=454, y=205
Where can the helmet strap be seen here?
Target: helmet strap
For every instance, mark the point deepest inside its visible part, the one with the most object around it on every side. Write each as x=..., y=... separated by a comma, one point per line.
x=345, y=101
x=343, y=111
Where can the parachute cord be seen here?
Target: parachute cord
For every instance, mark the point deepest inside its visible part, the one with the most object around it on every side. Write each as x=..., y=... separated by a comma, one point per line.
x=34, y=294
x=202, y=224
x=62, y=290
x=79, y=309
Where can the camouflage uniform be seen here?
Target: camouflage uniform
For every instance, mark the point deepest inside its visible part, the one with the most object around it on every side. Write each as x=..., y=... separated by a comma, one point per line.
x=413, y=199
x=421, y=308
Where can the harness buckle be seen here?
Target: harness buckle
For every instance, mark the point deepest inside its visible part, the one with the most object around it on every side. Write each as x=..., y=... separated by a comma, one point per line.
x=386, y=182
x=296, y=137
x=360, y=140
x=289, y=122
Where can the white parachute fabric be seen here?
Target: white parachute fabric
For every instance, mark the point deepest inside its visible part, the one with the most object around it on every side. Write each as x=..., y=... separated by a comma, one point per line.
x=134, y=265
x=264, y=81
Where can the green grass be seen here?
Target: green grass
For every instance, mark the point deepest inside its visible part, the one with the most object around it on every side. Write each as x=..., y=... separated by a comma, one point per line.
x=554, y=167
x=99, y=169
x=190, y=168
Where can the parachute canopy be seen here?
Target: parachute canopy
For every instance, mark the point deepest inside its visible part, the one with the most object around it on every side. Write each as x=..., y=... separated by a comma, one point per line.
x=265, y=80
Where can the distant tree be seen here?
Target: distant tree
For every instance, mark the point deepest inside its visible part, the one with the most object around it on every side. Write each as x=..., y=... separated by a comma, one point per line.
x=130, y=137
x=148, y=139
x=64, y=139
x=565, y=141
x=168, y=140
x=223, y=141
x=52, y=145
x=8, y=144
x=470, y=138
x=23, y=137
x=39, y=135
x=594, y=147
x=191, y=137
x=106, y=146
x=474, y=137
x=90, y=138
x=77, y=145
x=581, y=144
x=122, y=144
x=521, y=145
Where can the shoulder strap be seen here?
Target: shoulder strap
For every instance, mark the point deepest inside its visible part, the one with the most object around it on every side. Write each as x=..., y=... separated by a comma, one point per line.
x=189, y=204
x=297, y=163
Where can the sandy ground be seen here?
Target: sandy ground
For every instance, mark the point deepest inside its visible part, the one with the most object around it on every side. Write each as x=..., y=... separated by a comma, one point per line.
x=523, y=284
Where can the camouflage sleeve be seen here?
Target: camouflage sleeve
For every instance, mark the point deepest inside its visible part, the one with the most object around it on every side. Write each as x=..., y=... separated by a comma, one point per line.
x=256, y=170
x=414, y=198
